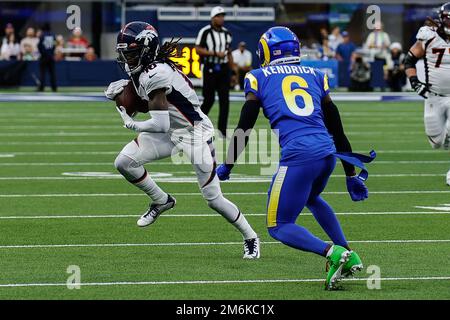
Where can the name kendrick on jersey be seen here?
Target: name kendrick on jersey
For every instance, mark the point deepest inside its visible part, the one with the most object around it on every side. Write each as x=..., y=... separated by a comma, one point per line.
x=285, y=69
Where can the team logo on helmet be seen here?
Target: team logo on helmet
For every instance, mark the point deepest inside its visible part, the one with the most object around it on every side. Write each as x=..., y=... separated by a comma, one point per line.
x=146, y=36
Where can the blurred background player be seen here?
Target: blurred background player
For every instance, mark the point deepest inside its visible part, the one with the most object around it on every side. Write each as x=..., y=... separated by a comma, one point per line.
x=433, y=45
x=46, y=47
x=242, y=59
x=213, y=46
x=395, y=69
x=307, y=149
x=177, y=123
x=360, y=74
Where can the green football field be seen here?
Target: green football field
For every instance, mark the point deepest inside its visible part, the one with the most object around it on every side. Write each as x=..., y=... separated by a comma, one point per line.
x=63, y=208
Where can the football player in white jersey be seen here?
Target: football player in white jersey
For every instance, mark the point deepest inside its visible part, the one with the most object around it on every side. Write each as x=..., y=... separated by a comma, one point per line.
x=433, y=45
x=176, y=124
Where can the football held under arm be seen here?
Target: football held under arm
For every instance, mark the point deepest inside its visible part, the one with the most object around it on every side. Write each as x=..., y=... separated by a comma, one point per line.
x=156, y=82
x=159, y=113
x=160, y=120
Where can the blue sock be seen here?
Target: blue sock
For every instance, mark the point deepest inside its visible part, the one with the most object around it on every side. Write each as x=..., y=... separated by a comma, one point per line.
x=298, y=237
x=325, y=216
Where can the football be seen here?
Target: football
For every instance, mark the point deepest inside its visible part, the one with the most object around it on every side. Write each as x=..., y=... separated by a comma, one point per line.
x=131, y=101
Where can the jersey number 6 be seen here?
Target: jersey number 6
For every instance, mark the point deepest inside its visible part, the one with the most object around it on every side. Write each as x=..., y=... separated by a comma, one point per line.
x=291, y=95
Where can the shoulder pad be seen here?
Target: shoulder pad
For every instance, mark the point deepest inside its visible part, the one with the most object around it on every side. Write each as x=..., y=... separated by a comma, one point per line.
x=156, y=76
x=426, y=33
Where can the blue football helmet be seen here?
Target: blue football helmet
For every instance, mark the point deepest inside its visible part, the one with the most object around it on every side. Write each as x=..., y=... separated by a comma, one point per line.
x=278, y=45
x=137, y=46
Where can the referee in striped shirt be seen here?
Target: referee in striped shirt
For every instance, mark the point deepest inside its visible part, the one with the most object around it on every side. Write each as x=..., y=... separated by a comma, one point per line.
x=213, y=45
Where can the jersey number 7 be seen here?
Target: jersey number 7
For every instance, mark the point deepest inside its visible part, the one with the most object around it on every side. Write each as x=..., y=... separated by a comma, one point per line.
x=440, y=52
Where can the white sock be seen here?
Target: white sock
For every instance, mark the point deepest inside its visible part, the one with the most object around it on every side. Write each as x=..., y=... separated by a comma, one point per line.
x=152, y=190
x=229, y=211
x=244, y=227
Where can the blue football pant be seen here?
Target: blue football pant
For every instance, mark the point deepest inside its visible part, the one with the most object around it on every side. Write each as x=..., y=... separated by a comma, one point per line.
x=292, y=189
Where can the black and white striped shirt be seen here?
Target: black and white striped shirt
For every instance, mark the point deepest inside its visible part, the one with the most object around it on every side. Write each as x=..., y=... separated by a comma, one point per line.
x=213, y=40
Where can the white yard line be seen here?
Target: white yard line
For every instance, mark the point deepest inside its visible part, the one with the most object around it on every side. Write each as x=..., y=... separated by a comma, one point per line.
x=58, y=153
x=61, y=127
x=207, y=215
x=195, y=244
x=131, y=136
x=113, y=177
x=53, y=164
x=215, y=282
x=193, y=179
x=444, y=207
x=61, y=143
x=50, y=195
x=126, y=133
x=55, y=153
x=66, y=134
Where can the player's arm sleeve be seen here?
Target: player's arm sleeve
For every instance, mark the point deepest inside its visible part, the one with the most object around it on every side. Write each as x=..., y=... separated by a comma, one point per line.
x=159, y=115
x=410, y=61
x=333, y=123
x=159, y=122
x=247, y=120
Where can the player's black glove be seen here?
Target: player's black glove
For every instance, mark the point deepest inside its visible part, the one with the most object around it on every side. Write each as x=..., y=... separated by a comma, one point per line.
x=421, y=88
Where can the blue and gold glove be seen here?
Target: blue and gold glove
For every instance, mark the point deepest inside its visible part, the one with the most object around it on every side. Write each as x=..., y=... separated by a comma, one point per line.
x=356, y=188
x=223, y=172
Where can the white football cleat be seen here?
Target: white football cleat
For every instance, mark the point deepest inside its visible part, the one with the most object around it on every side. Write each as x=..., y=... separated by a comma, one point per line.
x=154, y=211
x=251, y=248
x=448, y=178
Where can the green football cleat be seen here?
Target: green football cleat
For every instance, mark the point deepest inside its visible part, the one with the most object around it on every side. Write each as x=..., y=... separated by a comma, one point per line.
x=338, y=258
x=353, y=264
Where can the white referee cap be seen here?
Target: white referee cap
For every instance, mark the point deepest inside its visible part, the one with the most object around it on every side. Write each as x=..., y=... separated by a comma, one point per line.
x=216, y=11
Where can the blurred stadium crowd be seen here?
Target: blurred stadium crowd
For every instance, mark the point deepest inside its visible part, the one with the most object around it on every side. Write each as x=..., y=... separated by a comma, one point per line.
x=331, y=32
x=337, y=44
x=15, y=46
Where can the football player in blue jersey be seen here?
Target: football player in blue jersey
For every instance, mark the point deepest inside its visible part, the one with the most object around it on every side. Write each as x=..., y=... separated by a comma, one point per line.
x=295, y=99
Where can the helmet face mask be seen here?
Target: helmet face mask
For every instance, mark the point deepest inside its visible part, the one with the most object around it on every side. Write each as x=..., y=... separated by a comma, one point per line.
x=444, y=17
x=446, y=24
x=132, y=58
